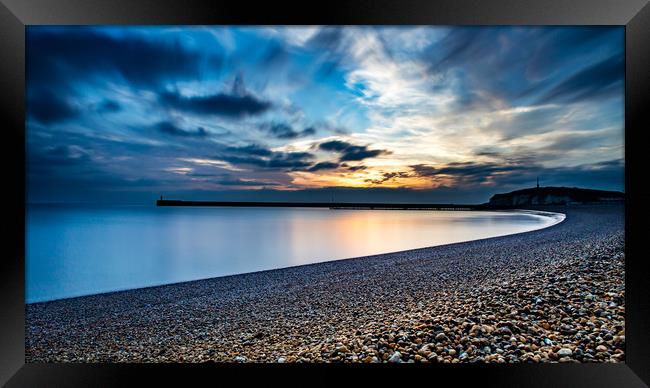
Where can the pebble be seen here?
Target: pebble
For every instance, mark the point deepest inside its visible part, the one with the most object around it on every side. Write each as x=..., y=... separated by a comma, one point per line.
x=395, y=357
x=553, y=295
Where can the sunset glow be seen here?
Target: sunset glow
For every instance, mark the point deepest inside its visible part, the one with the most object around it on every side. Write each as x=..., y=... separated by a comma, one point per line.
x=221, y=112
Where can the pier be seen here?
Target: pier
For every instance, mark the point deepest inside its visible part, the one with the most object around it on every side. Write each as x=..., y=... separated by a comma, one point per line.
x=328, y=205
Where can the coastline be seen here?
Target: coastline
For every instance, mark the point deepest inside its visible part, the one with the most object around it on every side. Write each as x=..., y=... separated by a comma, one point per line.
x=548, y=219
x=448, y=303
x=279, y=259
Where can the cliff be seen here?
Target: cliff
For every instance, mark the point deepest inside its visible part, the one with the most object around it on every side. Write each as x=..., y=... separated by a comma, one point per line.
x=555, y=196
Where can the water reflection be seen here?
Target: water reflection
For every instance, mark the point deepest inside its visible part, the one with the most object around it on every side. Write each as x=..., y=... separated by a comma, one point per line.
x=75, y=250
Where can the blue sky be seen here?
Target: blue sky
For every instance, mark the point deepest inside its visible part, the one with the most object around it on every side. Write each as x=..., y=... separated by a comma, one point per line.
x=392, y=113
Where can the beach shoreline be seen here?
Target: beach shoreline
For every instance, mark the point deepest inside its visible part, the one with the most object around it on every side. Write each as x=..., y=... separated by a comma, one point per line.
x=552, y=218
x=524, y=297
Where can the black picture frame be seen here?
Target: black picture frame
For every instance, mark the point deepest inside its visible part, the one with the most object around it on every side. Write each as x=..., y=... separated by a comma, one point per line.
x=16, y=14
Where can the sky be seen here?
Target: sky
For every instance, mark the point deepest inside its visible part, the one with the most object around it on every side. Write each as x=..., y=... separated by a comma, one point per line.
x=318, y=113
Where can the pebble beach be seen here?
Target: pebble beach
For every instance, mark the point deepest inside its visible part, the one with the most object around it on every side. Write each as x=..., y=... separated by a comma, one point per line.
x=550, y=295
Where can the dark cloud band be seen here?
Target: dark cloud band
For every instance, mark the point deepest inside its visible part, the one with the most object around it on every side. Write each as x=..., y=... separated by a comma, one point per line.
x=350, y=152
x=221, y=104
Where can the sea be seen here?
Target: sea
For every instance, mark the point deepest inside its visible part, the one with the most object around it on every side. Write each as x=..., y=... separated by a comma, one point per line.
x=75, y=250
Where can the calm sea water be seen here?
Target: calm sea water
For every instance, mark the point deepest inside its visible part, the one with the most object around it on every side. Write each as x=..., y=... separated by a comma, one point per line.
x=81, y=250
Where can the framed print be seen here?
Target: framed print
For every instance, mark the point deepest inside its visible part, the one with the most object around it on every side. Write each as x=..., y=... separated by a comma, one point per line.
x=389, y=189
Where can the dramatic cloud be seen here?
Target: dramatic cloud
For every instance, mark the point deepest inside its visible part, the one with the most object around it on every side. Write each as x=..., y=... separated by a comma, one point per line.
x=323, y=166
x=251, y=149
x=423, y=170
x=61, y=155
x=171, y=129
x=220, y=104
x=286, y=131
x=291, y=159
x=602, y=79
x=329, y=41
x=508, y=175
x=512, y=63
x=65, y=55
x=255, y=156
x=356, y=168
x=48, y=108
x=387, y=176
x=472, y=172
x=233, y=181
x=350, y=152
x=422, y=113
